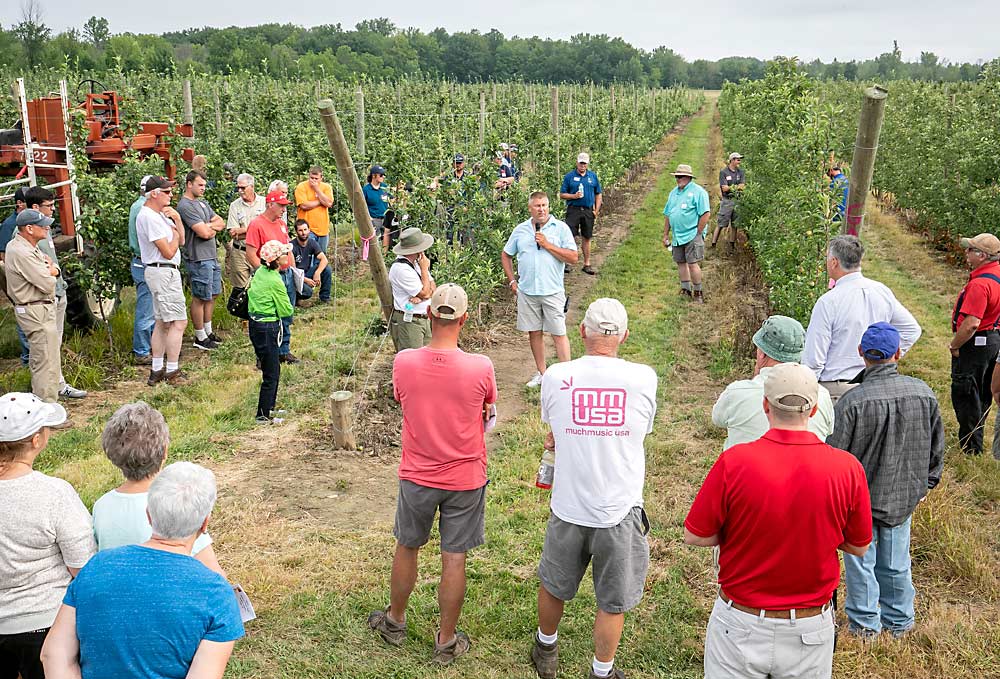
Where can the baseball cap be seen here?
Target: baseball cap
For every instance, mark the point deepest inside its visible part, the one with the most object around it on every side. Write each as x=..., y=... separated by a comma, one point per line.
x=734, y=154
x=984, y=242
x=583, y=158
x=504, y=146
x=142, y=183
x=791, y=387
x=277, y=197
x=23, y=415
x=513, y=147
x=449, y=301
x=606, y=316
x=880, y=341
x=273, y=249
x=459, y=158
x=378, y=169
x=154, y=182
x=33, y=218
x=782, y=338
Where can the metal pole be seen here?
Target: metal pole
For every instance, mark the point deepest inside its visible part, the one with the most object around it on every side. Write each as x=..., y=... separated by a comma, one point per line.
x=482, y=117
x=345, y=168
x=863, y=163
x=359, y=121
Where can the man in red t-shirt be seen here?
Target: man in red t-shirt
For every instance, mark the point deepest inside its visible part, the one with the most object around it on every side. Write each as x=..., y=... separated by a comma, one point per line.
x=447, y=398
x=779, y=508
x=270, y=225
x=976, y=343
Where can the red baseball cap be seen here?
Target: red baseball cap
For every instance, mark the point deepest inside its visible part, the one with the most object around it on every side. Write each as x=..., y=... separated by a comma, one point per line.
x=277, y=197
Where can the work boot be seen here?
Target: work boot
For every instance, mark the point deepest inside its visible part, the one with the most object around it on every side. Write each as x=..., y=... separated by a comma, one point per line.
x=289, y=358
x=175, y=378
x=393, y=633
x=456, y=648
x=155, y=376
x=545, y=658
x=684, y=292
x=699, y=297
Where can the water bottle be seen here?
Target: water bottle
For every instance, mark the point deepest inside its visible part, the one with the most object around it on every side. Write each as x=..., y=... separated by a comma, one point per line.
x=408, y=313
x=546, y=470
x=581, y=191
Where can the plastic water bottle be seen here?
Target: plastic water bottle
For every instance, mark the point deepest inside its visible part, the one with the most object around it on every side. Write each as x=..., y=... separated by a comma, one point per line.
x=408, y=313
x=546, y=470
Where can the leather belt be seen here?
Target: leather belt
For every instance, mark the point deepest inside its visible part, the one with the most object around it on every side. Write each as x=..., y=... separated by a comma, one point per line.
x=37, y=301
x=397, y=311
x=240, y=245
x=810, y=612
x=165, y=265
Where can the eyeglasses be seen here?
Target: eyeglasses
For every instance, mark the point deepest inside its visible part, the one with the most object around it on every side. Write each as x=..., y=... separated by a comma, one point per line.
x=48, y=205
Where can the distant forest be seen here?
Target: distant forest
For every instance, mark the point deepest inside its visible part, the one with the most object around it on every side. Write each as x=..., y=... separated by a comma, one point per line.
x=377, y=49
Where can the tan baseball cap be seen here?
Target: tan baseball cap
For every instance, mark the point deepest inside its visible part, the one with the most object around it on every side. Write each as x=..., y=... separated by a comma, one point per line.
x=583, y=158
x=792, y=387
x=606, y=316
x=449, y=301
x=984, y=242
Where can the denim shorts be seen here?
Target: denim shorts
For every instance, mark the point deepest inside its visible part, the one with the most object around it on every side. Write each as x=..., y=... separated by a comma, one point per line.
x=206, y=279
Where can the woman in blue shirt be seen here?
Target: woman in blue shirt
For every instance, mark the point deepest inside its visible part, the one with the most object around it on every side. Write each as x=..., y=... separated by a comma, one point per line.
x=377, y=198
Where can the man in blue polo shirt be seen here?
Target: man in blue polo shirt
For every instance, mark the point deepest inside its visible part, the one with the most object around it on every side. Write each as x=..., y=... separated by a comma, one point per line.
x=542, y=245
x=686, y=214
x=581, y=189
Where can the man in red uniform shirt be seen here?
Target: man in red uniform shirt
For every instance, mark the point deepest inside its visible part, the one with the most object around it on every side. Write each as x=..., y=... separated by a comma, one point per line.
x=976, y=342
x=446, y=396
x=779, y=508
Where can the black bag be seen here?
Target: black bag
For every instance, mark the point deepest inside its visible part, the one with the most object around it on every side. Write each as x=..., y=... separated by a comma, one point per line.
x=239, y=303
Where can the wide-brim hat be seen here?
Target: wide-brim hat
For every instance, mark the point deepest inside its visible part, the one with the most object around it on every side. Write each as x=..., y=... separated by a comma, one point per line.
x=683, y=171
x=412, y=241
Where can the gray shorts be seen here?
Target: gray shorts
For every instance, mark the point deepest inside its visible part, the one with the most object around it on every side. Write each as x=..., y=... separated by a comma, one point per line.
x=727, y=213
x=620, y=555
x=463, y=516
x=690, y=253
x=167, y=292
x=542, y=312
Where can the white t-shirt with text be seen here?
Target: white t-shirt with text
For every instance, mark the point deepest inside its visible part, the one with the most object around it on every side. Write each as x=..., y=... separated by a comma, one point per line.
x=599, y=409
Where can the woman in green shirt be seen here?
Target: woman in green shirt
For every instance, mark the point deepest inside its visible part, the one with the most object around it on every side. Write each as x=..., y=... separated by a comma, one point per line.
x=268, y=303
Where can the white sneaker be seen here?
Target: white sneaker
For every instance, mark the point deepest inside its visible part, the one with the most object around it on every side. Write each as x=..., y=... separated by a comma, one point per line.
x=69, y=391
x=535, y=381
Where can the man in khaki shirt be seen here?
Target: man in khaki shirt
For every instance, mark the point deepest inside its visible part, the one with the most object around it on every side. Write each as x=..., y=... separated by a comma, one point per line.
x=31, y=286
x=248, y=204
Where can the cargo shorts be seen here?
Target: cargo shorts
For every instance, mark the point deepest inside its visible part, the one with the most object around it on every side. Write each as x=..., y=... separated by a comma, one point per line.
x=463, y=516
x=691, y=252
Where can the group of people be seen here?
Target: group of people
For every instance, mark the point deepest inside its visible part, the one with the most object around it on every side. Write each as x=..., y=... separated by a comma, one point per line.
x=133, y=589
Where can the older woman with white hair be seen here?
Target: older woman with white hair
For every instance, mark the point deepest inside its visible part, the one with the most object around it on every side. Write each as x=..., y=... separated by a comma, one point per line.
x=136, y=439
x=150, y=610
x=45, y=534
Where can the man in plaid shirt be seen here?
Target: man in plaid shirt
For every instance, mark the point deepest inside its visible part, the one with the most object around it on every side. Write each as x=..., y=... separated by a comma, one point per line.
x=892, y=424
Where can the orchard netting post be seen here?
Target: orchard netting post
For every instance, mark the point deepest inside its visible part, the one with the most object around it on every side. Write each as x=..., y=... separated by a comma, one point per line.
x=863, y=163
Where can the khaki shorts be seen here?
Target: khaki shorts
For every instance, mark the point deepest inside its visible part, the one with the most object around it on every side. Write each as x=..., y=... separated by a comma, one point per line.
x=463, y=516
x=167, y=290
x=620, y=555
x=412, y=335
x=690, y=253
x=542, y=312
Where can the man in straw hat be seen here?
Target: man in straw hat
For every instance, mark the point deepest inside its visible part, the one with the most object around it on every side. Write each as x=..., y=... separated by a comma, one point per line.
x=599, y=409
x=412, y=287
x=779, y=508
x=686, y=214
x=779, y=340
x=447, y=399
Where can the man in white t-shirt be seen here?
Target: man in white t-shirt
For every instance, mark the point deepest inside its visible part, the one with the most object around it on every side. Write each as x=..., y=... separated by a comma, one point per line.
x=160, y=234
x=599, y=408
x=412, y=287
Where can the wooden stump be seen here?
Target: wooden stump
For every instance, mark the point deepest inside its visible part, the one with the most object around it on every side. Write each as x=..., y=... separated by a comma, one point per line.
x=341, y=408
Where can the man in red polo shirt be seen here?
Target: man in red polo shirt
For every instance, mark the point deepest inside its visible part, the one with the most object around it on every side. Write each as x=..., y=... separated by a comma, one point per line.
x=976, y=342
x=779, y=508
x=270, y=225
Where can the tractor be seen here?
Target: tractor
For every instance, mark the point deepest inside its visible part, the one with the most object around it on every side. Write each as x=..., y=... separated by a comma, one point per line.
x=37, y=148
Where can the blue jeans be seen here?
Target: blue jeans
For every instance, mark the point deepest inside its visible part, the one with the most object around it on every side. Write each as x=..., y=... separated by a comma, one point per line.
x=325, y=278
x=286, y=323
x=24, y=345
x=264, y=337
x=879, y=584
x=142, y=329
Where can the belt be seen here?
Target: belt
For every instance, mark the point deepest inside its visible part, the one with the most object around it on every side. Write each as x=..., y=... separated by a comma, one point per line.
x=37, y=301
x=165, y=265
x=240, y=245
x=986, y=333
x=397, y=311
x=263, y=319
x=791, y=614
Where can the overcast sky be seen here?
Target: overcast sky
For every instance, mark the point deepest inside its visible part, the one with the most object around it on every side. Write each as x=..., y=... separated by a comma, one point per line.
x=961, y=30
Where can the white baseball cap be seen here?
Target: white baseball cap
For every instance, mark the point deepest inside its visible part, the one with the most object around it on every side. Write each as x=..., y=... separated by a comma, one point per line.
x=24, y=415
x=583, y=158
x=606, y=316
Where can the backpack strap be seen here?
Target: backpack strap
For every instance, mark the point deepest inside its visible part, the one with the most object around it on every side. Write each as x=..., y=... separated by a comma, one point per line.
x=961, y=298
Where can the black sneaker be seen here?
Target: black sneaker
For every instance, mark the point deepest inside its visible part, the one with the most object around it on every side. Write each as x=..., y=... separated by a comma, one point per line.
x=206, y=344
x=215, y=338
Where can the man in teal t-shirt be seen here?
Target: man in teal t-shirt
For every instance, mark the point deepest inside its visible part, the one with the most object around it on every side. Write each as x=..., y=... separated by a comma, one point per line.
x=686, y=214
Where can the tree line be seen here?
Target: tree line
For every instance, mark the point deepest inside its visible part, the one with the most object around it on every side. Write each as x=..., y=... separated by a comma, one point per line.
x=376, y=49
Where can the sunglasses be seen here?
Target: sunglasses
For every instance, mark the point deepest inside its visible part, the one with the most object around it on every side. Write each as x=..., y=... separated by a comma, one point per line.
x=242, y=188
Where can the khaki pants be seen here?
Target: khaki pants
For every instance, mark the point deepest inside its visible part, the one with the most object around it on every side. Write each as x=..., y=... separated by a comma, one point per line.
x=238, y=269
x=40, y=326
x=412, y=335
x=837, y=389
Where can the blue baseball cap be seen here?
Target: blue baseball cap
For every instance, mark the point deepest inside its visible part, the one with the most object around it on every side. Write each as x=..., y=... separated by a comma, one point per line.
x=378, y=169
x=459, y=158
x=880, y=341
